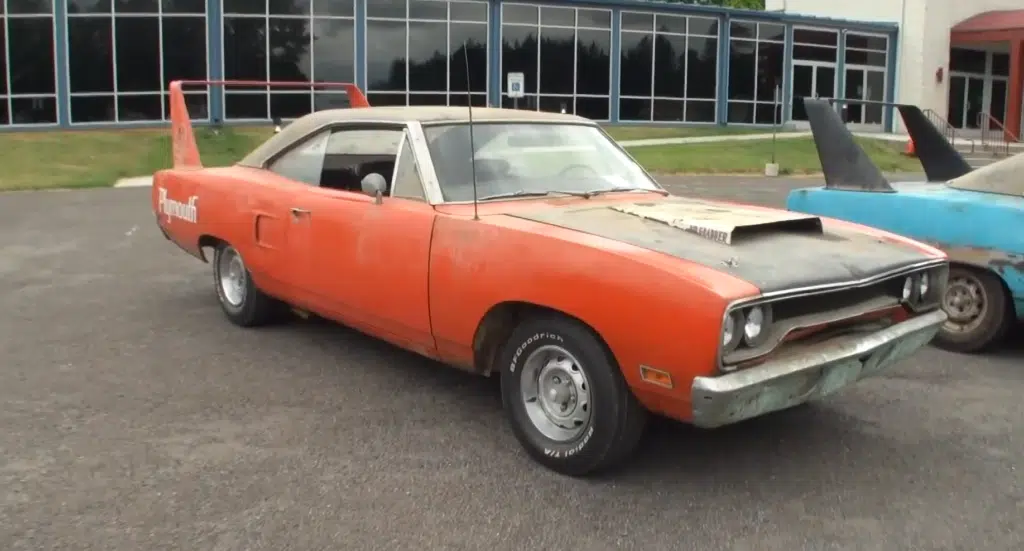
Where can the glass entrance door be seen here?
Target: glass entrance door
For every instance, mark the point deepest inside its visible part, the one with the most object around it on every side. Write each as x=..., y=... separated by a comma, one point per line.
x=966, y=100
x=811, y=80
x=997, y=103
x=864, y=84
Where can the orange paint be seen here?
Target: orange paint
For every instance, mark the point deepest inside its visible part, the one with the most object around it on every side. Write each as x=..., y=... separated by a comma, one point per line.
x=424, y=277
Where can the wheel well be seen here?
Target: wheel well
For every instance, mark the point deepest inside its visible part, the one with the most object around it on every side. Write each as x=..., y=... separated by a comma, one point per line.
x=999, y=278
x=208, y=241
x=498, y=324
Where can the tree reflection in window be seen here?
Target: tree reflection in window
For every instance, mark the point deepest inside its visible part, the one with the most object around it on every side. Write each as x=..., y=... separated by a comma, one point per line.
x=287, y=40
x=669, y=67
x=416, y=52
x=564, y=55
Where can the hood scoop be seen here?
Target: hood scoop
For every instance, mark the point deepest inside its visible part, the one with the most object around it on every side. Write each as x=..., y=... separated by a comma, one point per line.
x=723, y=223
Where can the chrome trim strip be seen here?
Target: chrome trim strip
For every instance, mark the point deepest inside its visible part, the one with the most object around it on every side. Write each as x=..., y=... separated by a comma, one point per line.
x=711, y=396
x=853, y=284
x=495, y=120
x=428, y=175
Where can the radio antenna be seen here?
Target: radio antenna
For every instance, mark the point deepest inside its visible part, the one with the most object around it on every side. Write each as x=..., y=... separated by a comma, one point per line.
x=469, y=105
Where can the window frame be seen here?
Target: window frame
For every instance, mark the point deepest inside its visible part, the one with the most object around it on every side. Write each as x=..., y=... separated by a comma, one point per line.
x=433, y=175
x=412, y=137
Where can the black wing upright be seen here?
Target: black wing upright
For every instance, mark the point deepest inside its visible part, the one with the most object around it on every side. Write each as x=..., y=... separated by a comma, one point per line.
x=940, y=160
x=845, y=164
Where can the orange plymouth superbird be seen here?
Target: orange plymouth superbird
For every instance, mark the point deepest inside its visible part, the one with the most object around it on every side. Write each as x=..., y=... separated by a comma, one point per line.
x=531, y=246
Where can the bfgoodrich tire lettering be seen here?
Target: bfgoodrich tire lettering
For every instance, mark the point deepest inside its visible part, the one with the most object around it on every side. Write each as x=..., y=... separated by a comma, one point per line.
x=590, y=420
x=242, y=302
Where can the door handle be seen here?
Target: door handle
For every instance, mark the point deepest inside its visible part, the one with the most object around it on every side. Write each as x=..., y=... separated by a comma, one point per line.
x=297, y=212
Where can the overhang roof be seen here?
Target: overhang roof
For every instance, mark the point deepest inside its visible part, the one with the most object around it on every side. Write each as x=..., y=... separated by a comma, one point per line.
x=991, y=25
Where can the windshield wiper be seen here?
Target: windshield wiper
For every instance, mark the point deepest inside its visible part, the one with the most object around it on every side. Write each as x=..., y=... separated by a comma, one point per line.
x=524, y=193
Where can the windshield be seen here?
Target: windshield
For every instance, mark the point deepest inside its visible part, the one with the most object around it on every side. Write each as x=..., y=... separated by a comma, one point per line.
x=529, y=159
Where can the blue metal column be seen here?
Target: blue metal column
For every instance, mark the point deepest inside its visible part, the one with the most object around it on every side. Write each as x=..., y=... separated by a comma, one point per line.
x=892, y=56
x=616, y=60
x=722, y=106
x=787, y=79
x=360, y=51
x=496, y=83
x=60, y=61
x=215, y=57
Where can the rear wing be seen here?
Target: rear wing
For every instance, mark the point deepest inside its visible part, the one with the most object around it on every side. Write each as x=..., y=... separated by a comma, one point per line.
x=847, y=166
x=185, y=152
x=940, y=160
x=843, y=162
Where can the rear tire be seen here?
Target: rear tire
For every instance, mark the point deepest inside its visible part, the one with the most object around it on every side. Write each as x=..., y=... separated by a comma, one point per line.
x=978, y=308
x=566, y=399
x=242, y=302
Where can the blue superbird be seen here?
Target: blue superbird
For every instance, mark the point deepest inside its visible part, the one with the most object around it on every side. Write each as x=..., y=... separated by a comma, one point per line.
x=975, y=216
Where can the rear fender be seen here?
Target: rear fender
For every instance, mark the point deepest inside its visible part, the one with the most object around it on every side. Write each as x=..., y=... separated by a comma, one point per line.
x=177, y=202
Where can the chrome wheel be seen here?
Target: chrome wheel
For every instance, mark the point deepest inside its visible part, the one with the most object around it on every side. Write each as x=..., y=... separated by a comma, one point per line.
x=232, y=278
x=965, y=303
x=556, y=393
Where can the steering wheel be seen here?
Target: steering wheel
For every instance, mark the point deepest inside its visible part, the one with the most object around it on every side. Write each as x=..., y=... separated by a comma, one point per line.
x=577, y=166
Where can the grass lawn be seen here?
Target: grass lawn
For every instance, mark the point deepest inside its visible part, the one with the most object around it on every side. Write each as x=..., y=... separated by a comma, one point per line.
x=623, y=133
x=50, y=160
x=794, y=156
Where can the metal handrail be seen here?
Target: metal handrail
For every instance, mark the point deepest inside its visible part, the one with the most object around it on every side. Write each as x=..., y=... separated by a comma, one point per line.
x=945, y=128
x=985, y=121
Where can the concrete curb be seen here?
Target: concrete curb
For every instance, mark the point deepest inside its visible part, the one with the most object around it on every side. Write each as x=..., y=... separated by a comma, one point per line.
x=139, y=181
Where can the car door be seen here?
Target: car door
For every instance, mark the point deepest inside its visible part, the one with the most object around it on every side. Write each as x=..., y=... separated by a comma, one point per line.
x=281, y=229
x=366, y=263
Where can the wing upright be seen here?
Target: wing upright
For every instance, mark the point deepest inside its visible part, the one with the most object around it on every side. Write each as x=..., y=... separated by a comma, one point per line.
x=940, y=160
x=845, y=163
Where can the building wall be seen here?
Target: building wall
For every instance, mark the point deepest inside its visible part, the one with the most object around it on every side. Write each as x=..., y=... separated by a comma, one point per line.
x=82, y=63
x=924, y=42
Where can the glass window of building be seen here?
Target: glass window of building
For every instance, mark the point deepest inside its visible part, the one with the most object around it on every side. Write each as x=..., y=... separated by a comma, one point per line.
x=123, y=54
x=756, y=60
x=27, y=77
x=416, y=52
x=669, y=67
x=564, y=55
x=287, y=40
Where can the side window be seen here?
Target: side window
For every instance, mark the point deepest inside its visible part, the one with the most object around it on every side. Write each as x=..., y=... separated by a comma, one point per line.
x=408, y=184
x=305, y=162
x=352, y=154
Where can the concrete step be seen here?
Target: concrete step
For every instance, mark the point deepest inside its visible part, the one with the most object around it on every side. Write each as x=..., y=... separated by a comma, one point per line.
x=978, y=162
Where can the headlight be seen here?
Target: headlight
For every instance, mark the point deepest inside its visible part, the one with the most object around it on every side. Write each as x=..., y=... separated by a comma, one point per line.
x=731, y=329
x=756, y=326
x=922, y=286
x=908, y=288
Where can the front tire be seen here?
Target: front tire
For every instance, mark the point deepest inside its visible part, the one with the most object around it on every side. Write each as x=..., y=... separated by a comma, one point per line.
x=978, y=309
x=566, y=399
x=242, y=302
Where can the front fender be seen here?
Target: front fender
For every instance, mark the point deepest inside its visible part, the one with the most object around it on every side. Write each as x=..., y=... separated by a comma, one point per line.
x=649, y=308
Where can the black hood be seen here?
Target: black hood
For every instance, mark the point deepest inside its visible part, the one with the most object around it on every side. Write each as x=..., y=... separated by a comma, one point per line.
x=775, y=250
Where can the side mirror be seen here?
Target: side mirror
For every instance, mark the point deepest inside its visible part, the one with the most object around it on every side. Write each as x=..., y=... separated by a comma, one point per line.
x=374, y=185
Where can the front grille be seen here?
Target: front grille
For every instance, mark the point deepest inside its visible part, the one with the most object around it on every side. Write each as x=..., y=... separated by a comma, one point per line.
x=821, y=312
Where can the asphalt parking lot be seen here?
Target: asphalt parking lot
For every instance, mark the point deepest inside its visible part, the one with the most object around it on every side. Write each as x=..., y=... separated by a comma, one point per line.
x=134, y=417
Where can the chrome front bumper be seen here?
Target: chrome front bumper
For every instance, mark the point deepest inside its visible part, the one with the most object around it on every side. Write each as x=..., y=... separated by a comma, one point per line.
x=811, y=373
